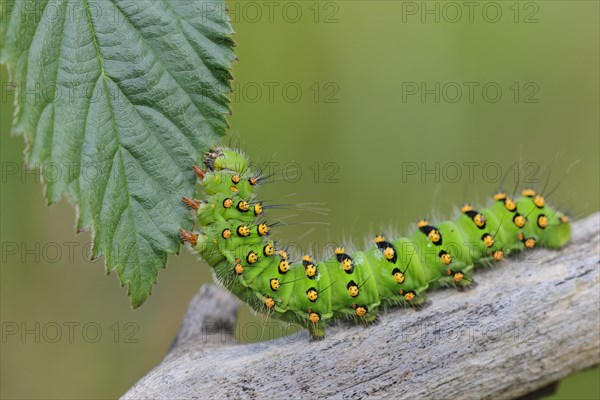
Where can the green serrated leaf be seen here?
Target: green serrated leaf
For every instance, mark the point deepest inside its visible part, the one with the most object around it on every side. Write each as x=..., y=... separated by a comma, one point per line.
x=117, y=100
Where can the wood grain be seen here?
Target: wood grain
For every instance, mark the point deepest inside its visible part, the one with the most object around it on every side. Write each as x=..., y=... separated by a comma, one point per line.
x=530, y=321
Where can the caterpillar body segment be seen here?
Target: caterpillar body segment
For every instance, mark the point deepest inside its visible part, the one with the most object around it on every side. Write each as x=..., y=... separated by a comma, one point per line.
x=234, y=238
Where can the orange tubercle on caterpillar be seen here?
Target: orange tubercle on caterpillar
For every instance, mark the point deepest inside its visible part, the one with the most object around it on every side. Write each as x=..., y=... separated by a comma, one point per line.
x=284, y=266
x=353, y=289
x=434, y=235
x=542, y=221
x=269, y=250
x=243, y=231
x=263, y=229
x=399, y=277
x=269, y=302
x=509, y=204
x=310, y=270
x=312, y=294
x=347, y=264
x=275, y=284
x=539, y=201
x=498, y=255
x=500, y=196
x=528, y=192
x=466, y=208
x=479, y=220
x=360, y=311
x=408, y=296
x=519, y=220
x=239, y=269
x=488, y=239
x=445, y=257
x=389, y=253
x=252, y=257
x=313, y=317
x=243, y=206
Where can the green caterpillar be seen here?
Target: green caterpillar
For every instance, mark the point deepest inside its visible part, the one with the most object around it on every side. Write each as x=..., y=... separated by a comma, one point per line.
x=234, y=240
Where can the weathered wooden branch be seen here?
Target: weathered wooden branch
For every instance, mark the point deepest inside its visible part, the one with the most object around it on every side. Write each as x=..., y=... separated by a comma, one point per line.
x=529, y=322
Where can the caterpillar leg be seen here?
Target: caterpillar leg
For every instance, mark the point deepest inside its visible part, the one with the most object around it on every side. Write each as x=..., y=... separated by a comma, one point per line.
x=368, y=319
x=414, y=298
x=316, y=332
x=460, y=279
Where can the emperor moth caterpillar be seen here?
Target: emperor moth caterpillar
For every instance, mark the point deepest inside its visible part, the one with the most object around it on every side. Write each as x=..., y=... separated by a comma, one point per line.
x=234, y=239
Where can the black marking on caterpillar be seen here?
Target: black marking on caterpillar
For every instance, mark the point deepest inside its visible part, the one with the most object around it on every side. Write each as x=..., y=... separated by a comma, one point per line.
x=234, y=241
x=431, y=232
x=345, y=260
x=387, y=249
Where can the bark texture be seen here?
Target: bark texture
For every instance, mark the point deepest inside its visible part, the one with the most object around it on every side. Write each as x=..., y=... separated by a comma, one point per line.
x=528, y=322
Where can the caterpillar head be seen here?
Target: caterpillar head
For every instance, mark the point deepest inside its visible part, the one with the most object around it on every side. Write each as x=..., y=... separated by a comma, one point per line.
x=230, y=183
x=223, y=158
x=227, y=172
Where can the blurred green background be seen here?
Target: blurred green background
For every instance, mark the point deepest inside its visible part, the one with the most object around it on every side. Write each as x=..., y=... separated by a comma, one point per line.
x=323, y=89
